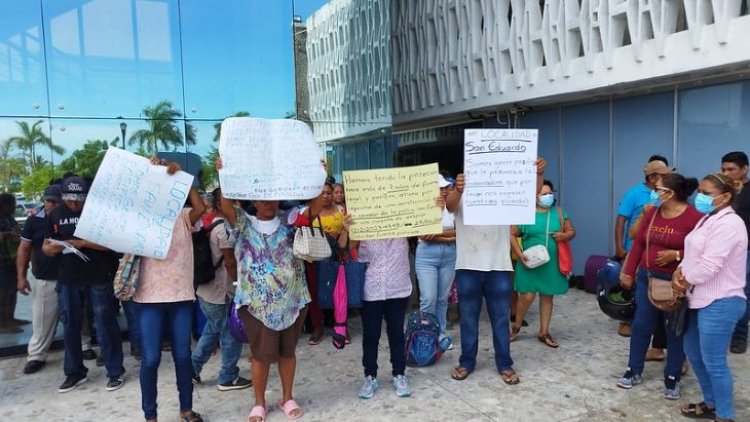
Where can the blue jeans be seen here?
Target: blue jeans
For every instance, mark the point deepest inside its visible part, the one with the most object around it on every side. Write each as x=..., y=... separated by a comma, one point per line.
x=134, y=327
x=102, y=299
x=706, y=342
x=435, y=265
x=495, y=287
x=179, y=319
x=740, y=330
x=644, y=324
x=216, y=330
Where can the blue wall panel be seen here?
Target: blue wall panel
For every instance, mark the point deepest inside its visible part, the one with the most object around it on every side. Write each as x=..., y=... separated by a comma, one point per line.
x=641, y=127
x=713, y=121
x=585, y=178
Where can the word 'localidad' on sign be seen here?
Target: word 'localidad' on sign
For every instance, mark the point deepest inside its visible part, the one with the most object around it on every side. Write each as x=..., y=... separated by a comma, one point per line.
x=132, y=205
x=397, y=202
x=500, y=172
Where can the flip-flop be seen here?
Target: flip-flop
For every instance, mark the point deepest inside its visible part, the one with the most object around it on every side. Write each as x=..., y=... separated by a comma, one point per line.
x=698, y=411
x=459, y=373
x=510, y=377
x=514, y=332
x=258, y=412
x=289, y=407
x=549, y=341
x=315, y=339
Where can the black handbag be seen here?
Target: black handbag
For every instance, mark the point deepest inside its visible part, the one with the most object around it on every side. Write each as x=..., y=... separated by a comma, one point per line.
x=675, y=322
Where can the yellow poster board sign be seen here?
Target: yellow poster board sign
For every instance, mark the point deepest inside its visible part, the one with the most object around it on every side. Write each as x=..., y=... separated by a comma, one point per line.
x=395, y=202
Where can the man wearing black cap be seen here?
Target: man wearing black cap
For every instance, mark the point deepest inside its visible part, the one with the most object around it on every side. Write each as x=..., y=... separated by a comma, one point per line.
x=89, y=274
x=44, y=310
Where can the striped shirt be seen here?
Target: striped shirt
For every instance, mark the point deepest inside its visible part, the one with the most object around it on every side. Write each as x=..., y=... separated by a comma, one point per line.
x=716, y=258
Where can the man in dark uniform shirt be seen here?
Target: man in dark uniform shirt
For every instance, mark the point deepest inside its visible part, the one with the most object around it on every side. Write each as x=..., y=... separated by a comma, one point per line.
x=735, y=165
x=91, y=278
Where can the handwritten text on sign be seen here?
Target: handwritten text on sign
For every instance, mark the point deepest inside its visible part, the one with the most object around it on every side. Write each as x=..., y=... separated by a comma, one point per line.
x=397, y=202
x=500, y=171
x=132, y=205
x=269, y=160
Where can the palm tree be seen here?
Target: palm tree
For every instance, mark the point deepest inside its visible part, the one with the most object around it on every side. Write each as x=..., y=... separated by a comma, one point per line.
x=162, y=129
x=217, y=126
x=30, y=137
x=11, y=168
x=190, y=135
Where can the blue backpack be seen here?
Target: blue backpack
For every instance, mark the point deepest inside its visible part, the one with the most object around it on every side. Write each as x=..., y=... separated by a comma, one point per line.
x=422, y=339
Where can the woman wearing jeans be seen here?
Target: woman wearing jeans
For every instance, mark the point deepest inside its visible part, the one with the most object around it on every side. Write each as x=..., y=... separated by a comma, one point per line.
x=713, y=276
x=664, y=228
x=165, y=295
x=435, y=265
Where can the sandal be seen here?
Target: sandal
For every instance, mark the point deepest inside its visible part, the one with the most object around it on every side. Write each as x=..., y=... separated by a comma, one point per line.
x=514, y=332
x=191, y=417
x=549, y=341
x=289, y=407
x=459, y=373
x=258, y=414
x=315, y=338
x=698, y=411
x=510, y=377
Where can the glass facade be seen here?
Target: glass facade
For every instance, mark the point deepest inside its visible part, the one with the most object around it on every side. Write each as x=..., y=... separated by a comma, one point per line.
x=78, y=75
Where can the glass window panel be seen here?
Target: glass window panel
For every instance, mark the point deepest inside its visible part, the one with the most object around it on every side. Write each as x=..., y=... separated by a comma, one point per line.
x=237, y=57
x=23, y=88
x=109, y=58
x=363, y=155
x=377, y=153
x=350, y=157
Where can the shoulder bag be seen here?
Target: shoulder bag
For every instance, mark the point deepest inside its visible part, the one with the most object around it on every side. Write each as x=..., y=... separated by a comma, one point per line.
x=538, y=255
x=311, y=244
x=564, y=253
x=660, y=292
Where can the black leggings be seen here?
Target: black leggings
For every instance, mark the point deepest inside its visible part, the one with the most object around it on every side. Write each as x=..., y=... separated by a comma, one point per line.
x=373, y=313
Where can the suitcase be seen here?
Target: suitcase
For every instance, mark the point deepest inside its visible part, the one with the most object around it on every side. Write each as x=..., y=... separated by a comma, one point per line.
x=593, y=264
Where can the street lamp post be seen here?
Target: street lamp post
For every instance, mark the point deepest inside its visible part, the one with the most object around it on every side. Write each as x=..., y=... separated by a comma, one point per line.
x=123, y=129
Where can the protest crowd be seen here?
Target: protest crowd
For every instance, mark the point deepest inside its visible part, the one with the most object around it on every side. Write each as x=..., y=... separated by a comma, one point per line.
x=263, y=272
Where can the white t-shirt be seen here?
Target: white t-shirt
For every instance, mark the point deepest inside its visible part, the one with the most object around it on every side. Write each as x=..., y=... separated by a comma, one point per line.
x=267, y=227
x=449, y=220
x=482, y=248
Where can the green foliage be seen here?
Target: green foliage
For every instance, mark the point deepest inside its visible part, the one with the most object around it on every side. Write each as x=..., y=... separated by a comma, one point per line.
x=86, y=160
x=31, y=137
x=162, y=129
x=33, y=185
x=209, y=176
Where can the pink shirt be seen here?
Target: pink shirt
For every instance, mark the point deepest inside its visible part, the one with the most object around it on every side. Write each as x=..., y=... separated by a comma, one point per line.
x=716, y=258
x=171, y=279
x=388, y=268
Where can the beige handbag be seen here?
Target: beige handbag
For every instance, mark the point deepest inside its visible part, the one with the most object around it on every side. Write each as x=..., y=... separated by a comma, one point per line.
x=538, y=255
x=660, y=292
x=311, y=243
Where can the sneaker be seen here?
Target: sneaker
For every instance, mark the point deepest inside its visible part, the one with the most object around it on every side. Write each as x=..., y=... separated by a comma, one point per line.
x=33, y=366
x=115, y=383
x=629, y=380
x=445, y=343
x=89, y=354
x=369, y=387
x=71, y=383
x=738, y=346
x=238, y=384
x=197, y=379
x=402, y=386
x=671, y=388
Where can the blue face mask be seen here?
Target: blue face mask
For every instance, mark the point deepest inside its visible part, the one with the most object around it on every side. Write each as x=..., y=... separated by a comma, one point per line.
x=655, y=198
x=704, y=203
x=546, y=200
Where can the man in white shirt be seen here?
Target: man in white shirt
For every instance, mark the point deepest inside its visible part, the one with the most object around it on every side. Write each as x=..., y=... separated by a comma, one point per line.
x=483, y=271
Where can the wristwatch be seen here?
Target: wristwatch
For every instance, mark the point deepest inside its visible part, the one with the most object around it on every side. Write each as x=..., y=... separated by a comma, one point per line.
x=678, y=256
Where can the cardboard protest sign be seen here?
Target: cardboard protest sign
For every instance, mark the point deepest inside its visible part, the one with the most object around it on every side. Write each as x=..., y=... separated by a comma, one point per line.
x=269, y=160
x=395, y=202
x=500, y=171
x=132, y=205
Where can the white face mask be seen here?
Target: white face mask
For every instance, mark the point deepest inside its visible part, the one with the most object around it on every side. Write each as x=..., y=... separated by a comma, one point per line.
x=546, y=200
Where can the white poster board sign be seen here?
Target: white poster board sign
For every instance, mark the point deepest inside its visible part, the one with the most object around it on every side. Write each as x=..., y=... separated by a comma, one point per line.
x=132, y=205
x=500, y=171
x=269, y=160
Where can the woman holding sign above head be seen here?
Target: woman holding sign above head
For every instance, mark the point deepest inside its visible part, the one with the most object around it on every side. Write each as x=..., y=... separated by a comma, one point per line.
x=483, y=273
x=271, y=295
x=165, y=295
x=552, y=225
